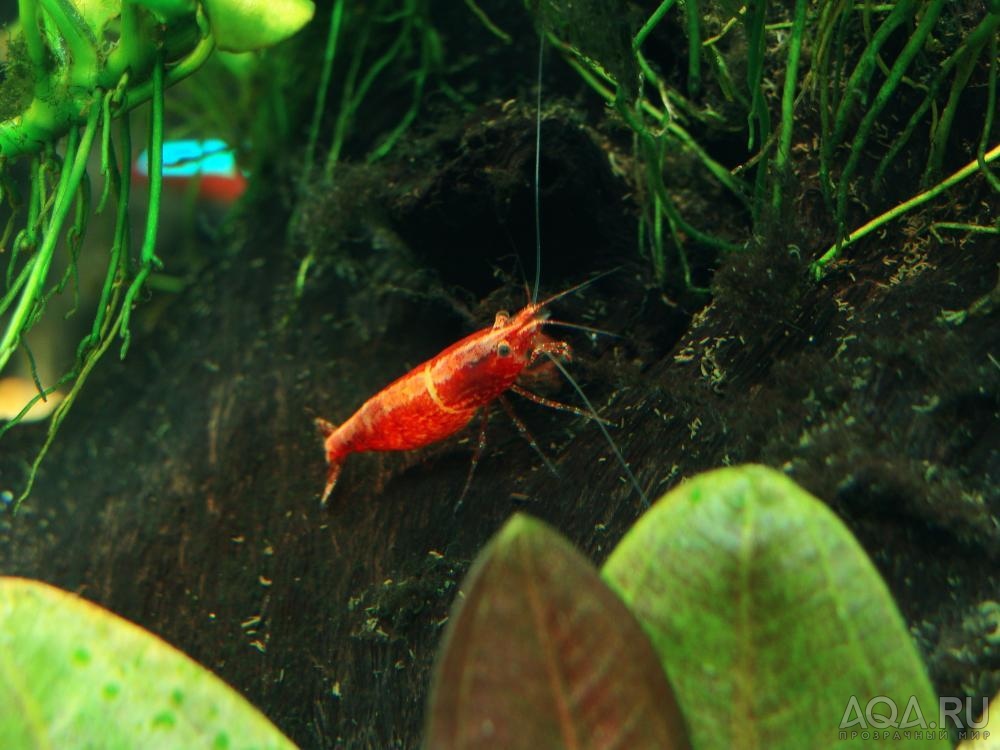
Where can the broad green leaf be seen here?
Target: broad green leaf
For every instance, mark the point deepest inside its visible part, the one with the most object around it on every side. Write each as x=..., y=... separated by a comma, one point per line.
x=166, y=10
x=768, y=617
x=98, y=14
x=542, y=654
x=245, y=25
x=985, y=737
x=73, y=675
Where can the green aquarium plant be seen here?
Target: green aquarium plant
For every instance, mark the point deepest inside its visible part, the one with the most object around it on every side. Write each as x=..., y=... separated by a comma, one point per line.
x=73, y=675
x=540, y=653
x=737, y=612
x=598, y=41
x=387, y=49
x=74, y=68
x=845, y=84
x=764, y=612
x=989, y=737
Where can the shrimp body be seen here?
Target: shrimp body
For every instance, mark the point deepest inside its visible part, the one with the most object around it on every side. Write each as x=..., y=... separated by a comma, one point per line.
x=439, y=397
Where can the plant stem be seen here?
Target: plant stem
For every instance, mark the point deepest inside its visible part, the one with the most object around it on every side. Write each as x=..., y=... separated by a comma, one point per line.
x=820, y=263
x=991, y=103
x=147, y=256
x=968, y=56
x=691, y=13
x=854, y=89
x=329, y=54
x=65, y=196
x=485, y=20
x=28, y=15
x=862, y=71
x=758, y=114
x=64, y=406
x=600, y=84
x=652, y=23
x=80, y=38
x=913, y=45
x=788, y=104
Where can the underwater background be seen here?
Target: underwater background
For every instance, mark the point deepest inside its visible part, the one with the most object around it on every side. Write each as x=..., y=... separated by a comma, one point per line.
x=796, y=208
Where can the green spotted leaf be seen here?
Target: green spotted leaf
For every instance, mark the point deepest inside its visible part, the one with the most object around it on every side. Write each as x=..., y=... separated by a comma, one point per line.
x=769, y=617
x=73, y=675
x=540, y=653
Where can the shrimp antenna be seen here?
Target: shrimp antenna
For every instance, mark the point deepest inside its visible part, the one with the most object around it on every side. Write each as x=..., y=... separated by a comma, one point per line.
x=538, y=170
x=578, y=327
x=604, y=430
x=578, y=287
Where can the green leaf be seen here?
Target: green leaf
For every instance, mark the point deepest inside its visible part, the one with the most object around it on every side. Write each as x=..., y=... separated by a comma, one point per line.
x=73, y=675
x=245, y=25
x=984, y=737
x=768, y=616
x=542, y=654
x=98, y=14
x=166, y=11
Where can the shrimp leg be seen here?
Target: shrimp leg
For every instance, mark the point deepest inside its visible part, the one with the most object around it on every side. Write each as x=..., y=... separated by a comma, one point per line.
x=477, y=453
x=526, y=434
x=553, y=404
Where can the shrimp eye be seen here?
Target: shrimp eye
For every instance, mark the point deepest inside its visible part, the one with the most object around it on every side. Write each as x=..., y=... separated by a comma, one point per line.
x=503, y=349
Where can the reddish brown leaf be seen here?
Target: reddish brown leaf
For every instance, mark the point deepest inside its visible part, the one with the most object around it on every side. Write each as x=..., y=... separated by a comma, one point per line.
x=542, y=654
